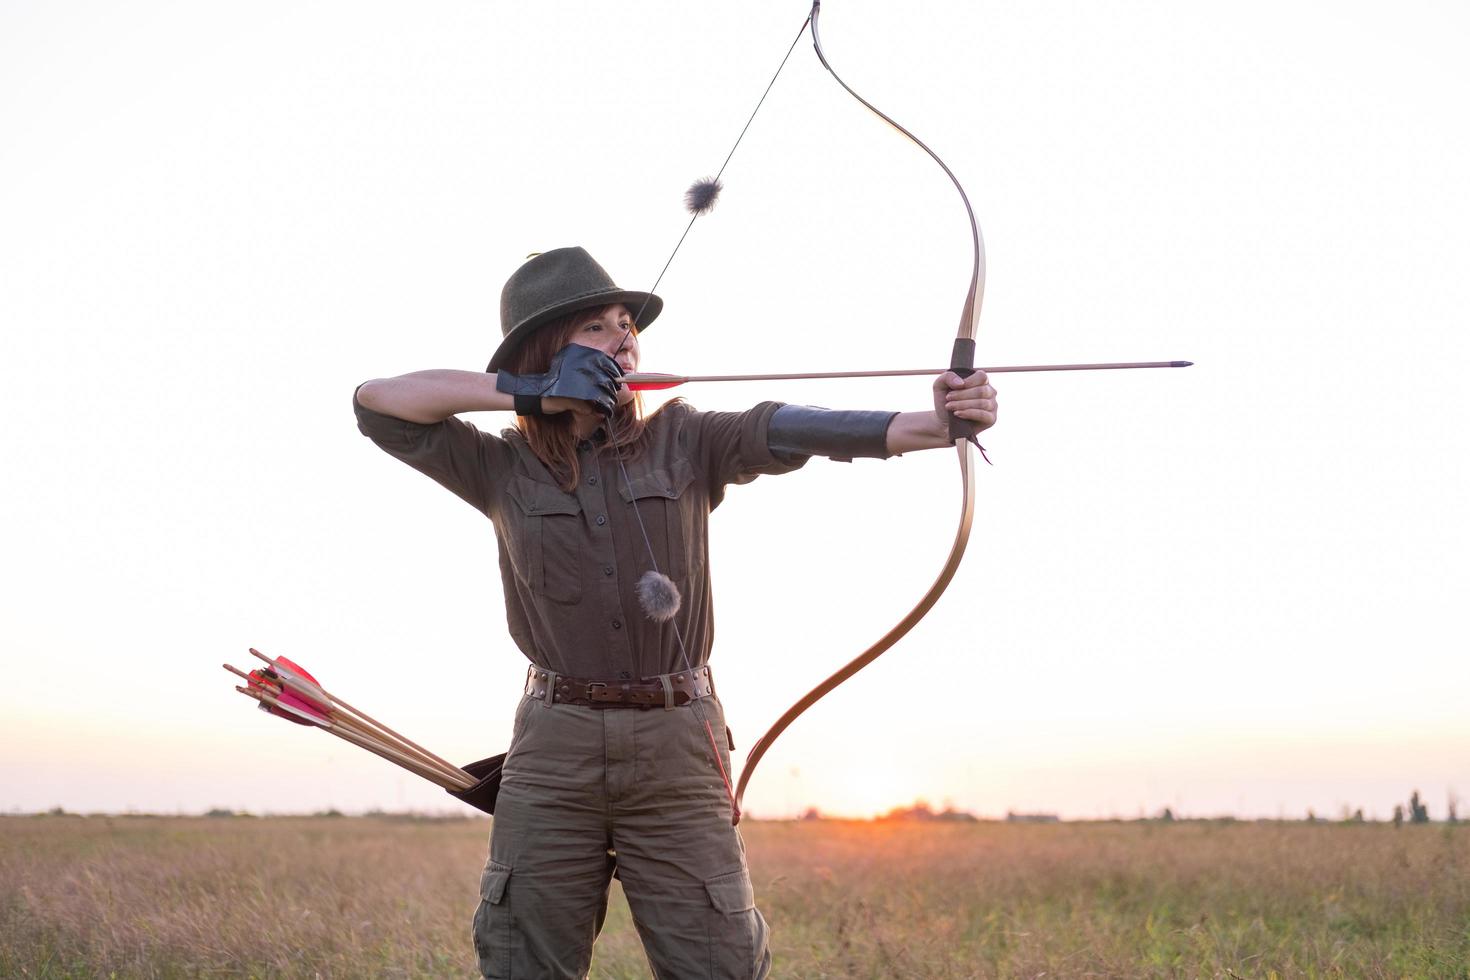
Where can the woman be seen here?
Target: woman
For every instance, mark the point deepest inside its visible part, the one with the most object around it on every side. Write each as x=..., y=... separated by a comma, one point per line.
x=620, y=760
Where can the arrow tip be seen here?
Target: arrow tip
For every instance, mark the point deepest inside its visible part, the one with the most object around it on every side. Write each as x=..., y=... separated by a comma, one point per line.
x=1181, y=364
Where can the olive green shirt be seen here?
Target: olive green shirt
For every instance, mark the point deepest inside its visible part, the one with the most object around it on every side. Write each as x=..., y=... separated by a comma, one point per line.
x=569, y=561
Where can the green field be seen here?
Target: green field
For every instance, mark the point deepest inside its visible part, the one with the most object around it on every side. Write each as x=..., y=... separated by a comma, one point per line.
x=393, y=897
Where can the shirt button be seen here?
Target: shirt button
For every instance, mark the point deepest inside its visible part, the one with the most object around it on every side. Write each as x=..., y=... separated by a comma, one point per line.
x=607, y=569
x=592, y=480
x=601, y=520
x=617, y=624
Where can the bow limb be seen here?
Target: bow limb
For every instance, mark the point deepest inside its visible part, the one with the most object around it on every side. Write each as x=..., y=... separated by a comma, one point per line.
x=961, y=433
x=951, y=565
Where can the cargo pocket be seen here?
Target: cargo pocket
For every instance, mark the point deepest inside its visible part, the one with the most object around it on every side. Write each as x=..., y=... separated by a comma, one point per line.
x=737, y=933
x=712, y=743
x=544, y=539
x=492, y=922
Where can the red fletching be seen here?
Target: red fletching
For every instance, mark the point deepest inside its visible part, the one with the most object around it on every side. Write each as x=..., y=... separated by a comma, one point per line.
x=316, y=706
x=269, y=682
x=265, y=680
x=302, y=704
x=287, y=716
x=672, y=382
x=296, y=668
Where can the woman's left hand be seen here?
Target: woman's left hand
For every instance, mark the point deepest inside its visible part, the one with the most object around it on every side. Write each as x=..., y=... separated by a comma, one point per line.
x=972, y=399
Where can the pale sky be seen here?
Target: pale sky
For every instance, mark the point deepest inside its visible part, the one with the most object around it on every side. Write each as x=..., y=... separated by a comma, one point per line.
x=1229, y=589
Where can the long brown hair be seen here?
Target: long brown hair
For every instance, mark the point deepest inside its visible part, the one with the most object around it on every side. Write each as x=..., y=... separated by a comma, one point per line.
x=553, y=438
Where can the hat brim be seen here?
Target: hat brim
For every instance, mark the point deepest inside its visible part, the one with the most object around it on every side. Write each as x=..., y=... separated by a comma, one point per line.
x=650, y=304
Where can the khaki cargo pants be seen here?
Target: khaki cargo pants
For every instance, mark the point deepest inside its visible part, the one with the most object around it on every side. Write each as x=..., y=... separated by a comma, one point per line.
x=581, y=781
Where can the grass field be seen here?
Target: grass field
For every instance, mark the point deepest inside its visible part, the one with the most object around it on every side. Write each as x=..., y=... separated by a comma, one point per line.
x=387, y=897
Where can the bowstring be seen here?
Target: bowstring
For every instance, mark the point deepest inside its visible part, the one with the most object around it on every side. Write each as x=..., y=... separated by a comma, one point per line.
x=618, y=455
x=684, y=654
x=721, y=172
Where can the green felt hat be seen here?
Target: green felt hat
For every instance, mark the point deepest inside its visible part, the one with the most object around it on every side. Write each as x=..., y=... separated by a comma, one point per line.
x=553, y=284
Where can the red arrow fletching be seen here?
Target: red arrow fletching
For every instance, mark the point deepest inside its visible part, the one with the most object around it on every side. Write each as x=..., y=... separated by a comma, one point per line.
x=268, y=681
x=645, y=385
x=319, y=705
x=296, y=668
x=302, y=704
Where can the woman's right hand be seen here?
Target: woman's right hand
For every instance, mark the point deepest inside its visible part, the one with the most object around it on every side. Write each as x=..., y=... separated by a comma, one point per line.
x=581, y=379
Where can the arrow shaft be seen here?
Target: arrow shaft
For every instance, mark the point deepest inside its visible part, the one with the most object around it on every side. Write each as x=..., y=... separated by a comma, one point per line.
x=378, y=748
x=648, y=381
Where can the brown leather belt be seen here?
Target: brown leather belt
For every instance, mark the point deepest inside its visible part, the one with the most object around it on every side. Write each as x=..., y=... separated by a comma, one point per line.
x=663, y=691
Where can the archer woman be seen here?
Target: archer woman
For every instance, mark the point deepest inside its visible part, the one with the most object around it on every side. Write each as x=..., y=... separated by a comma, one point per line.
x=619, y=760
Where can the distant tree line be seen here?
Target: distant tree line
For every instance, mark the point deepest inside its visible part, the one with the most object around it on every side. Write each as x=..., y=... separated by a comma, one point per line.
x=1417, y=811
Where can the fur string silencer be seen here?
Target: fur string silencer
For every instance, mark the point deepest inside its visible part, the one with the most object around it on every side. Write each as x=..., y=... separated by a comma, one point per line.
x=658, y=595
x=701, y=196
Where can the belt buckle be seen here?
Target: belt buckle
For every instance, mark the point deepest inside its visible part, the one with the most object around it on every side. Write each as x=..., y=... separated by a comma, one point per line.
x=597, y=691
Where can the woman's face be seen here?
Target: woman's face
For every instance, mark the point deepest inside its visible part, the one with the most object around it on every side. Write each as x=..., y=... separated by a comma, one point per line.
x=608, y=330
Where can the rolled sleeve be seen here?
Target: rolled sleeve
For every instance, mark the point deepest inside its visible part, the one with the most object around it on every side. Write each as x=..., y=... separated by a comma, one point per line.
x=455, y=454
x=734, y=448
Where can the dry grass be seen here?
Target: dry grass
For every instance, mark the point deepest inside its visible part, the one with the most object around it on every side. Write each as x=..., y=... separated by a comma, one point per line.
x=241, y=897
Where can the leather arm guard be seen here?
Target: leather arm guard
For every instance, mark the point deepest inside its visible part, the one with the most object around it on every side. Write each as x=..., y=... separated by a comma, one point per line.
x=800, y=430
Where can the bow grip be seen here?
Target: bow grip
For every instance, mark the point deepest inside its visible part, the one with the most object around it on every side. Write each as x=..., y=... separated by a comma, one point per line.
x=962, y=362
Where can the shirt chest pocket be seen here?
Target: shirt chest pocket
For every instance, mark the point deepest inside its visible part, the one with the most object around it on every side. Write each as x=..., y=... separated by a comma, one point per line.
x=544, y=538
x=673, y=515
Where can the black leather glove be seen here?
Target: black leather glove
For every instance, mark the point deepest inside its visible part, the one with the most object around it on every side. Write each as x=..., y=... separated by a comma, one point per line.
x=583, y=373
